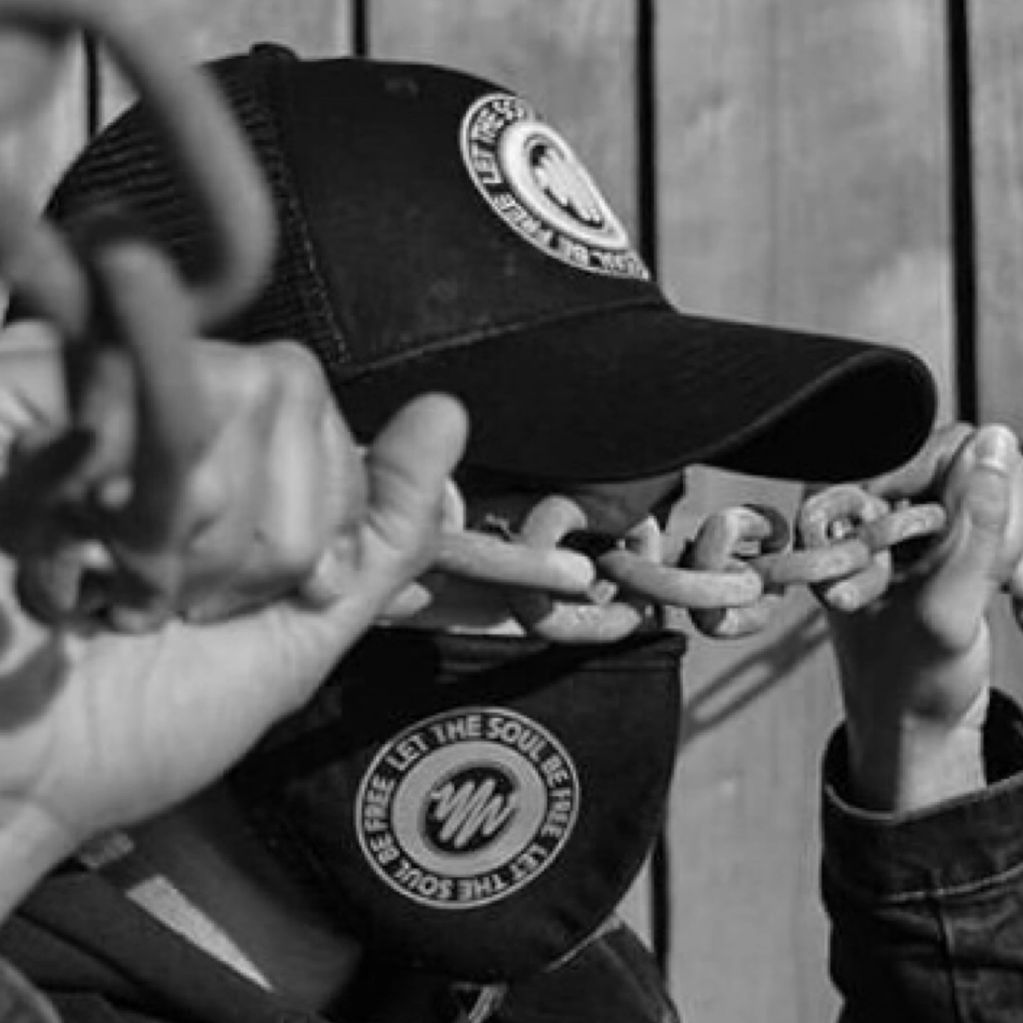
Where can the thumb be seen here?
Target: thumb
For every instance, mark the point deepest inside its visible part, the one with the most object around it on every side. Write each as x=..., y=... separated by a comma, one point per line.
x=298, y=642
x=925, y=474
x=395, y=532
x=408, y=467
x=980, y=493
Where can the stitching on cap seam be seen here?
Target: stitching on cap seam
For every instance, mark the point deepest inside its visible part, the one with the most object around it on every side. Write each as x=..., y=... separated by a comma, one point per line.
x=437, y=343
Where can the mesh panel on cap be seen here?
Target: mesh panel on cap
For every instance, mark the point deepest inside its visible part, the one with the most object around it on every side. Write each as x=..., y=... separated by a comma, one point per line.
x=128, y=163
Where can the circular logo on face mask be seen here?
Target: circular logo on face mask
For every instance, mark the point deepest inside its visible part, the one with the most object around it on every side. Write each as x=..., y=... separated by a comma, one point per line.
x=466, y=807
x=531, y=178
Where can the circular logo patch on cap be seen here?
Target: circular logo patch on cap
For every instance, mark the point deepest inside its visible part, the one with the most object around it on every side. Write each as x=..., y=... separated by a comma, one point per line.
x=530, y=177
x=466, y=807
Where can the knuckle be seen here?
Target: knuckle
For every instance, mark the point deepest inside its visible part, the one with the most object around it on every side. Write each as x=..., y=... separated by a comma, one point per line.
x=291, y=557
x=208, y=494
x=296, y=370
x=253, y=380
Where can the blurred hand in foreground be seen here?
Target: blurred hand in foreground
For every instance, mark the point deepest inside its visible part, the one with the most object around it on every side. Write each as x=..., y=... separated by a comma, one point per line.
x=287, y=542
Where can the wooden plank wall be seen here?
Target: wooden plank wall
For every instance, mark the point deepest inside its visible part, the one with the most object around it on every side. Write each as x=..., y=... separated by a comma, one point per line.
x=802, y=181
x=786, y=160
x=991, y=165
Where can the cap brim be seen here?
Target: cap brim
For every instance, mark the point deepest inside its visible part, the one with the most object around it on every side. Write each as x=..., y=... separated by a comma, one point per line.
x=639, y=390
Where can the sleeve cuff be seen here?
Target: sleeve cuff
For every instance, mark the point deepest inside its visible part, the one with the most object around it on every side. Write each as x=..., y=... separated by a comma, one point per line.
x=959, y=843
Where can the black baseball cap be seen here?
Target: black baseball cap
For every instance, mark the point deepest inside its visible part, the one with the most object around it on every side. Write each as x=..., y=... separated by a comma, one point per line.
x=437, y=234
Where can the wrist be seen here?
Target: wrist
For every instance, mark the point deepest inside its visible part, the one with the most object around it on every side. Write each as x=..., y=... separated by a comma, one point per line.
x=31, y=844
x=915, y=763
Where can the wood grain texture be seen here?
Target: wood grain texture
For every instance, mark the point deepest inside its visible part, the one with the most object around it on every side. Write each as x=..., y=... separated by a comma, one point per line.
x=35, y=152
x=997, y=114
x=575, y=61
x=313, y=28
x=802, y=182
x=996, y=108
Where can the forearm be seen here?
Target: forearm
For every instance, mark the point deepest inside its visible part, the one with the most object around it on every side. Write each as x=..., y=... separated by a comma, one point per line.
x=30, y=846
x=924, y=904
x=914, y=764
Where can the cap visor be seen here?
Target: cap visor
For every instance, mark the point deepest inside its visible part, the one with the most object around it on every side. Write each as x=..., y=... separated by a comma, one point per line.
x=642, y=389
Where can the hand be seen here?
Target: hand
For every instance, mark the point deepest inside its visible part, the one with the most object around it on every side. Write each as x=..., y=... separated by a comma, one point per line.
x=162, y=475
x=102, y=729
x=915, y=664
x=99, y=728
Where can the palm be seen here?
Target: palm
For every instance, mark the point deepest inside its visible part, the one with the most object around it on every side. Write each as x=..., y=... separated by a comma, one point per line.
x=106, y=729
x=887, y=650
x=103, y=729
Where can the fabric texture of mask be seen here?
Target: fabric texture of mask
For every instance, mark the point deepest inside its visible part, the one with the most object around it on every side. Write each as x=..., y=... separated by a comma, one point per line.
x=473, y=805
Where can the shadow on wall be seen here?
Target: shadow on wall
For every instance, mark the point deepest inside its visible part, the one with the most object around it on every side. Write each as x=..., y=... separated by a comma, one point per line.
x=746, y=680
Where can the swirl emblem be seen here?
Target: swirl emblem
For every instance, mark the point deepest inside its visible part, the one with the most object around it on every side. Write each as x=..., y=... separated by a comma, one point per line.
x=466, y=807
x=531, y=178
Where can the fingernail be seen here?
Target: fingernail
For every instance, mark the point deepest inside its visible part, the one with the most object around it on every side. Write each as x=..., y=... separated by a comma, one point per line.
x=994, y=447
x=843, y=598
x=453, y=513
x=331, y=578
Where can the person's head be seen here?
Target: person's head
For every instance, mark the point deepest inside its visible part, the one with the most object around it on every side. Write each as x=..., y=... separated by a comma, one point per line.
x=436, y=234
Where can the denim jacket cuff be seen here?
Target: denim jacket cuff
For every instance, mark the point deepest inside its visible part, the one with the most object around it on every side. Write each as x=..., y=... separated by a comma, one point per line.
x=961, y=843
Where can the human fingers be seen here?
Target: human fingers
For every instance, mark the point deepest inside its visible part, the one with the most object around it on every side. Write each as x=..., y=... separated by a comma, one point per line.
x=1012, y=555
x=924, y=474
x=116, y=474
x=229, y=491
x=36, y=452
x=32, y=387
x=218, y=500
x=311, y=488
x=297, y=641
x=967, y=566
x=153, y=319
x=837, y=521
x=407, y=469
x=147, y=516
x=1009, y=565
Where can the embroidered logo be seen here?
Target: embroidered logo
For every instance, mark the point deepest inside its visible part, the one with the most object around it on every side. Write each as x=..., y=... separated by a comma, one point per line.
x=531, y=178
x=466, y=807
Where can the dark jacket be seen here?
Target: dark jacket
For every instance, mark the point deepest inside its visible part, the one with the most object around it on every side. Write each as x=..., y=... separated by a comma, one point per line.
x=927, y=908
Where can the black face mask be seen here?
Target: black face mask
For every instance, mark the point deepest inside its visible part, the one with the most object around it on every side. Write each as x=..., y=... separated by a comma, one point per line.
x=474, y=805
